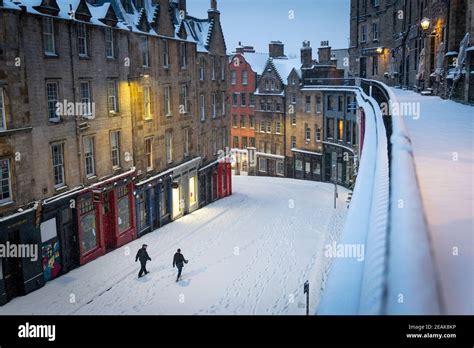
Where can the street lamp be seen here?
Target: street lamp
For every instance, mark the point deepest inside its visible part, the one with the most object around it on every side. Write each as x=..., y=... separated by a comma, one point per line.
x=425, y=24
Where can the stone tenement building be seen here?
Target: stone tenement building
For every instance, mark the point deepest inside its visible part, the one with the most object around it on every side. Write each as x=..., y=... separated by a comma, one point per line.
x=270, y=114
x=112, y=117
x=418, y=44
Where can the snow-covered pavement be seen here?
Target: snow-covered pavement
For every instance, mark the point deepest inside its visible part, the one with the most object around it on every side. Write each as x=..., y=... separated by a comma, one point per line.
x=248, y=254
x=442, y=140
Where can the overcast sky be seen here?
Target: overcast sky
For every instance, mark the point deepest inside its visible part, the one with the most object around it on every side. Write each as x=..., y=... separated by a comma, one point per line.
x=257, y=22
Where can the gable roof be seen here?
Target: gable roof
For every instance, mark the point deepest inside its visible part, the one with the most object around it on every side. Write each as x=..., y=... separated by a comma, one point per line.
x=283, y=67
x=198, y=31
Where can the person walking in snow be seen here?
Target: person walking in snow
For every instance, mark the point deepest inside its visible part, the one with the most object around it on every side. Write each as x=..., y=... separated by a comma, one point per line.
x=143, y=256
x=179, y=261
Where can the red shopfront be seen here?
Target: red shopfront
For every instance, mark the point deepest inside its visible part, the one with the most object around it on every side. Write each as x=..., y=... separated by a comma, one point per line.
x=224, y=179
x=106, y=218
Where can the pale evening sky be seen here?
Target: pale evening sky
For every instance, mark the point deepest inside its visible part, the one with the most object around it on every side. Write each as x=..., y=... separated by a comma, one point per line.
x=257, y=22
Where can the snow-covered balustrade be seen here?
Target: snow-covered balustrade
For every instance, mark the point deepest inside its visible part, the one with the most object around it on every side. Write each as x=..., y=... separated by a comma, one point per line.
x=356, y=285
x=396, y=274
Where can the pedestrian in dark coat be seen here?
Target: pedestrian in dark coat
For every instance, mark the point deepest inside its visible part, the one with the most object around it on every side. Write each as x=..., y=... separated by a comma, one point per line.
x=179, y=261
x=143, y=256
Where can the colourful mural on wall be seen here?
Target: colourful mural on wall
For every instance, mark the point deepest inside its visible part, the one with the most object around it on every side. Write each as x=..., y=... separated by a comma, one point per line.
x=51, y=260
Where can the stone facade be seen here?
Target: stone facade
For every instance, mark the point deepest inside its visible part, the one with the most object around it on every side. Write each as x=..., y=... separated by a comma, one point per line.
x=121, y=58
x=270, y=117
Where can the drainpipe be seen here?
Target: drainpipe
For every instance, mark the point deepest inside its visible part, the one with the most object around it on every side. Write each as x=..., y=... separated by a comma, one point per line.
x=446, y=47
x=405, y=35
x=132, y=118
x=76, y=117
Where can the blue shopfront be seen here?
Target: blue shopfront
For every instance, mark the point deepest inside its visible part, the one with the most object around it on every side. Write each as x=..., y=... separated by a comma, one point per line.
x=153, y=203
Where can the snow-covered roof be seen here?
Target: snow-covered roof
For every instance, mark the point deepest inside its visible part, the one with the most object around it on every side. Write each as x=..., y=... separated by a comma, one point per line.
x=257, y=61
x=198, y=31
x=285, y=66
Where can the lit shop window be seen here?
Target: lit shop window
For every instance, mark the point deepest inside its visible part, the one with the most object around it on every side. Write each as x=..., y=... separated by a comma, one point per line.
x=123, y=209
x=192, y=190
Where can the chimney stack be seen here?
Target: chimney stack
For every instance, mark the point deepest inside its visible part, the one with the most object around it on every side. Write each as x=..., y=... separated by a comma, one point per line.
x=182, y=5
x=306, y=54
x=213, y=13
x=324, y=52
x=276, y=49
x=244, y=49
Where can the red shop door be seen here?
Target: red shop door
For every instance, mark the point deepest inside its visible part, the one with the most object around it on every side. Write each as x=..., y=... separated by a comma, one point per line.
x=108, y=221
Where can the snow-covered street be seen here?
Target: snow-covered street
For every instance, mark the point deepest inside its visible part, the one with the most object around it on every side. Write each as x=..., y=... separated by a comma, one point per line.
x=442, y=139
x=248, y=254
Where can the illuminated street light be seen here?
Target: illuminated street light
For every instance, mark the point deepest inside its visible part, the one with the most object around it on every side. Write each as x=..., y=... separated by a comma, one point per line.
x=425, y=23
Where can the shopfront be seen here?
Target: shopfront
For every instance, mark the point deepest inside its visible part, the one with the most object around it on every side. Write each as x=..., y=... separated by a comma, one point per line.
x=338, y=164
x=153, y=202
x=106, y=217
x=21, y=270
x=307, y=165
x=184, y=188
x=240, y=162
x=270, y=165
x=208, y=184
x=60, y=249
x=224, y=178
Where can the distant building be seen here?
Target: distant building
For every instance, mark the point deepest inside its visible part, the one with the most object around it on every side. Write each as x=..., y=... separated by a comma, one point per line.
x=341, y=56
x=297, y=133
